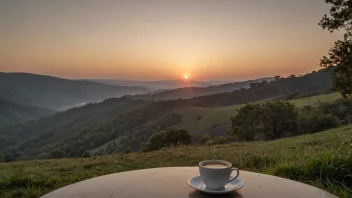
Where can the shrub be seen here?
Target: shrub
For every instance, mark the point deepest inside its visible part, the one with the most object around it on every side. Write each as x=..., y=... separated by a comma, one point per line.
x=326, y=121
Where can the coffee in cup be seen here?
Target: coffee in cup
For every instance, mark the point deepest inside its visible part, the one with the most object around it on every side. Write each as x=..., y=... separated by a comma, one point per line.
x=216, y=174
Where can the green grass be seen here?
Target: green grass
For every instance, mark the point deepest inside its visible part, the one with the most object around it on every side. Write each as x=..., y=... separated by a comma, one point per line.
x=322, y=159
x=209, y=117
x=105, y=145
x=220, y=116
x=314, y=99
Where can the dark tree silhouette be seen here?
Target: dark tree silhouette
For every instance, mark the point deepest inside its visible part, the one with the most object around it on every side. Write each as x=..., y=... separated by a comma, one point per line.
x=245, y=124
x=340, y=55
x=279, y=118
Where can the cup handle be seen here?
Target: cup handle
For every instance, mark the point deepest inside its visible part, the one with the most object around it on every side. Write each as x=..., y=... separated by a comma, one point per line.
x=238, y=173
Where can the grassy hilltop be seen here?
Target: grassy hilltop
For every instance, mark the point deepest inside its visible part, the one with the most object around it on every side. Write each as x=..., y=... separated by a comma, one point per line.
x=323, y=160
x=216, y=119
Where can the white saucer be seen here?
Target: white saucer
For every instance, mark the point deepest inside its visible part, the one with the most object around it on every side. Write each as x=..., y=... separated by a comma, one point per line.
x=197, y=183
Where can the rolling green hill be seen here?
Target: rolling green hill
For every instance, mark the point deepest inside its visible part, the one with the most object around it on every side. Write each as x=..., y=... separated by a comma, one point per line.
x=323, y=160
x=31, y=136
x=13, y=113
x=56, y=93
x=215, y=120
x=292, y=87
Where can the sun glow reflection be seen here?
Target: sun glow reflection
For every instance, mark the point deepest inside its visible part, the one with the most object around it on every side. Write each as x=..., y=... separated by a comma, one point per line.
x=186, y=77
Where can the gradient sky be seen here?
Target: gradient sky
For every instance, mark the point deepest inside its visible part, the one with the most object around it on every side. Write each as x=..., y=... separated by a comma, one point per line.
x=163, y=39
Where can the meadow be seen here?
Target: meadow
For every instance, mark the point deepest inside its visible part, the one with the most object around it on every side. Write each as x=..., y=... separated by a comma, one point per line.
x=199, y=120
x=322, y=159
x=213, y=121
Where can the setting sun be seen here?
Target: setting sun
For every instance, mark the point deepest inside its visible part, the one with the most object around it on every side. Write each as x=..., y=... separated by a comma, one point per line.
x=186, y=77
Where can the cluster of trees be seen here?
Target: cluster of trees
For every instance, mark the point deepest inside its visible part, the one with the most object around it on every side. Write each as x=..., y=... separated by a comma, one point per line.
x=167, y=138
x=267, y=121
x=273, y=120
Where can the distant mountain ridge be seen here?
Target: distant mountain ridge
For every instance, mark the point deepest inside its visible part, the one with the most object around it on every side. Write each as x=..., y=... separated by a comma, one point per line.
x=56, y=93
x=13, y=113
x=190, y=92
x=154, y=85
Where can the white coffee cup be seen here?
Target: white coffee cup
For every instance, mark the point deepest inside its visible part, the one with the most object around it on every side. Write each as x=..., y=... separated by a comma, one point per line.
x=216, y=174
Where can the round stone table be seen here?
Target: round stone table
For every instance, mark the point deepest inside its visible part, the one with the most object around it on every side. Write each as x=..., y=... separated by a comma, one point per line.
x=172, y=183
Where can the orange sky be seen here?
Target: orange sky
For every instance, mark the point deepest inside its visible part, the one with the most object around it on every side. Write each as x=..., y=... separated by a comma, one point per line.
x=163, y=39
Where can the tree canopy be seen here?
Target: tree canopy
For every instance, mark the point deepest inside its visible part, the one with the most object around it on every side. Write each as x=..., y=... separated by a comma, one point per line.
x=245, y=124
x=271, y=120
x=167, y=138
x=340, y=55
